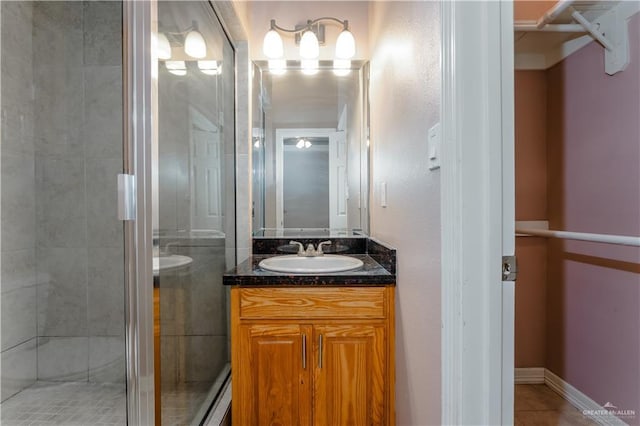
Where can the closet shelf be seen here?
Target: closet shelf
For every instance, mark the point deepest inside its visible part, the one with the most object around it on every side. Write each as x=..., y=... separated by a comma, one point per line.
x=570, y=25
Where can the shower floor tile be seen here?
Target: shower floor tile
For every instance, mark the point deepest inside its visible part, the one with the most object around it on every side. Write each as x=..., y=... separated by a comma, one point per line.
x=68, y=404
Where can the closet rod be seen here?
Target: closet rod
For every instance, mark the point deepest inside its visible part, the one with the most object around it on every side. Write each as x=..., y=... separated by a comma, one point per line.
x=555, y=11
x=583, y=236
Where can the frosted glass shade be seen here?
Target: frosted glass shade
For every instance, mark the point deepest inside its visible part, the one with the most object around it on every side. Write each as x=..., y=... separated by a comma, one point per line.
x=272, y=46
x=345, y=45
x=194, y=45
x=309, y=47
x=163, y=47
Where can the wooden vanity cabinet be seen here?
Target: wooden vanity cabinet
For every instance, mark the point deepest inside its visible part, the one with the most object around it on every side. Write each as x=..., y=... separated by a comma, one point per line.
x=312, y=356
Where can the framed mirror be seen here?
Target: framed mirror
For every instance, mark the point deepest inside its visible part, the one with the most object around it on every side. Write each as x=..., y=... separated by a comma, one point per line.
x=310, y=150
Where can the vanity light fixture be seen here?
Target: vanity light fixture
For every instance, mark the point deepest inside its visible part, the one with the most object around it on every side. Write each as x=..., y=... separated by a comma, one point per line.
x=303, y=143
x=311, y=36
x=163, y=47
x=190, y=38
x=194, y=44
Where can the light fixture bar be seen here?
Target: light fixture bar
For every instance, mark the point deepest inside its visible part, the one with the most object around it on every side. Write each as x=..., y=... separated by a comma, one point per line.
x=310, y=23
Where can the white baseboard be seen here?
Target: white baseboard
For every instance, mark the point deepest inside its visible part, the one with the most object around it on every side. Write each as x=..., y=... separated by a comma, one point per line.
x=529, y=376
x=582, y=402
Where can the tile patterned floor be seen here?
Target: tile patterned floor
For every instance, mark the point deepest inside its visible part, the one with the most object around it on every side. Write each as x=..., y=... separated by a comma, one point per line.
x=181, y=404
x=540, y=406
x=68, y=404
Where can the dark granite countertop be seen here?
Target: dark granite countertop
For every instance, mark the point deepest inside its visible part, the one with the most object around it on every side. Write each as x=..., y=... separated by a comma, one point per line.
x=379, y=264
x=248, y=273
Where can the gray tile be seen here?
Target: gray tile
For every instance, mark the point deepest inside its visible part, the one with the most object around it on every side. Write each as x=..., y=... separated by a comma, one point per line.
x=16, y=27
x=63, y=359
x=206, y=356
x=106, y=359
x=102, y=125
x=18, y=316
x=17, y=125
x=57, y=33
x=106, y=291
x=62, y=298
x=103, y=227
x=103, y=33
x=18, y=269
x=61, y=211
x=18, y=202
x=170, y=347
x=59, y=111
x=18, y=368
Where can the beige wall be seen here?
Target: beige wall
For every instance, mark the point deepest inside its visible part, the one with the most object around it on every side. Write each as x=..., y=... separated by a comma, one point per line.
x=531, y=204
x=405, y=102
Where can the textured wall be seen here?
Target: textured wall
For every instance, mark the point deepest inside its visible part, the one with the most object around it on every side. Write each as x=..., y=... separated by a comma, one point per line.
x=593, y=289
x=531, y=204
x=405, y=102
x=18, y=201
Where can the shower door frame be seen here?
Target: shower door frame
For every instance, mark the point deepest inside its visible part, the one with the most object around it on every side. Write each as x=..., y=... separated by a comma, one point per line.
x=138, y=22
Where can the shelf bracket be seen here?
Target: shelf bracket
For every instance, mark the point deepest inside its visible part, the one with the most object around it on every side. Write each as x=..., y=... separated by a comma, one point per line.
x=615, y=29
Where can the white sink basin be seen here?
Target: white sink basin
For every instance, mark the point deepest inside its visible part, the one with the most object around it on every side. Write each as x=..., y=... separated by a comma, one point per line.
x=169, y=263
x=310, y=265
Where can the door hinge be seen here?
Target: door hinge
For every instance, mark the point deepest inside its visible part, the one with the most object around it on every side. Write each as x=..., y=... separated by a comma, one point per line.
x=509, y=268
x=126, y=197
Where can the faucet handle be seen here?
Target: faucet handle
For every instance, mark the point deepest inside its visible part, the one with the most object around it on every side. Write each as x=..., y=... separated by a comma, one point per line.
x=319, y=252
x=300, y=247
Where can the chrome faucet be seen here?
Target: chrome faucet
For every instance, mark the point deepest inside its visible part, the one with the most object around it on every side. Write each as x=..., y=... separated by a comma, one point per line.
x=310, y=251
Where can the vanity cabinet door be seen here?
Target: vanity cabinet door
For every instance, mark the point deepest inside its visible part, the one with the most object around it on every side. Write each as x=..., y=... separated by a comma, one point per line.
x=349, y=374
x=273, y=377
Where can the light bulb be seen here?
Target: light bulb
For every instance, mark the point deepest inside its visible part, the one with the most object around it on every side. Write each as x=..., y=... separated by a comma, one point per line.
x=309, y=47
x=341, y=67
x=307, y=144
x=194, y=45
x=277, y=66
x=163, y=48
x=300, y=144
x=345, y=45
x=309, y=66
x=272, y=46
x=176, y=67
x=209, y=67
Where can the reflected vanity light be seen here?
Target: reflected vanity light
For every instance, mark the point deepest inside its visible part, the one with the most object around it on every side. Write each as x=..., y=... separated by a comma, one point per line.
x=209, y=67
x=176, y=67
x=194, y=45
x=341, y=67
x=277, y=66
x=309, y=66
x=193, y=42
x=312, y=35
x=163, y=48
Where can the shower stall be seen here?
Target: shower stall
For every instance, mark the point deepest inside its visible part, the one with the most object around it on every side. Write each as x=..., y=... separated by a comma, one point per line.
x=109, y=319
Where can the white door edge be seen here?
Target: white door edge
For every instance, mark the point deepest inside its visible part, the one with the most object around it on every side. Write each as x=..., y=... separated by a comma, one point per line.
x=477, y=308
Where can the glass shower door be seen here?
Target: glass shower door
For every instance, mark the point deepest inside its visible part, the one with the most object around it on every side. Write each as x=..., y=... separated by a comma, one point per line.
x=194, y=233
x=62, y=245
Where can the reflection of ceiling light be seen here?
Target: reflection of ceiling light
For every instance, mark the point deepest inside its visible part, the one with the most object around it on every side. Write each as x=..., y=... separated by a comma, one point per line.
x=209, y=67
x=341, y=67
x=163, y=47
x=303, y=143
x=194, y=45
x=257, y=143
x=277, y=66
x=176, y=67
x=309, y=47
x=309, y=66
x=345, y=44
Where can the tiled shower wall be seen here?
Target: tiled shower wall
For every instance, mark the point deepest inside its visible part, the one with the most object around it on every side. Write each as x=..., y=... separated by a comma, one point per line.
x=62, y=266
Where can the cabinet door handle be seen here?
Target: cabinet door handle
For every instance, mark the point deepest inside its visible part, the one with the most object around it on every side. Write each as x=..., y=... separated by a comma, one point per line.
x=304, y=351
x=320, y=351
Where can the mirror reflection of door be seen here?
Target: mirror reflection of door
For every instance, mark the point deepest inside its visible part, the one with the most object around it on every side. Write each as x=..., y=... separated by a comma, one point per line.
x=312, y=178
x=306, y=182
x=205, y=168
